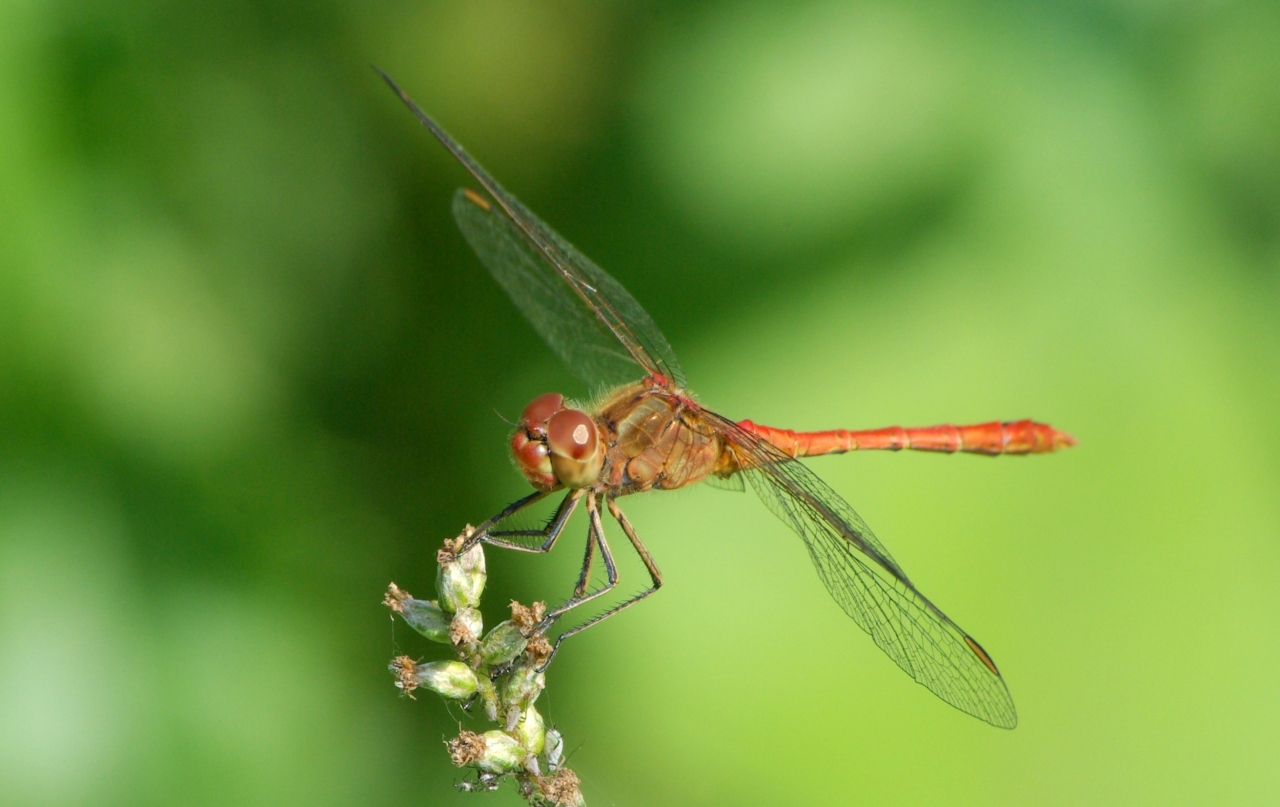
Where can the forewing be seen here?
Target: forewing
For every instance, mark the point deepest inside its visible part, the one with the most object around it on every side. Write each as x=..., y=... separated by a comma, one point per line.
x=576, y=335
x=606, y=298
x=871, y=587
x=582, y=284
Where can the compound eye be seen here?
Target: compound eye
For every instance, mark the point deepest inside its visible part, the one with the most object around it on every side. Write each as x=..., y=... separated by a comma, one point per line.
x=542, y=408
x=572, y=434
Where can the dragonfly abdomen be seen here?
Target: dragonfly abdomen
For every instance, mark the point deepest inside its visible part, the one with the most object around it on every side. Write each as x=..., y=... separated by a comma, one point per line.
x=996, y=437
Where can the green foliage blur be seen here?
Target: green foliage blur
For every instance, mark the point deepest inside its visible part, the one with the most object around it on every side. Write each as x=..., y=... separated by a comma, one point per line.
x=250, y=373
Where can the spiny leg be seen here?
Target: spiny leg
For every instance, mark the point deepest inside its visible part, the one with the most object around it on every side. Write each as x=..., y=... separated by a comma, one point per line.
x=584, y=577
x=549, y=533
x=655, y=574
x=478, y=533
x=595, y=535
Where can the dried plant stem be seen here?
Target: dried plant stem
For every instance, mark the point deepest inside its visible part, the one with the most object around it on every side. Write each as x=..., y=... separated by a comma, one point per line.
x=500, y=669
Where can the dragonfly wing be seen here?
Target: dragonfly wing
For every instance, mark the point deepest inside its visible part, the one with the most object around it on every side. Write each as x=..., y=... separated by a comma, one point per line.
x=872, y=588
x=576, y=335
x=582, y=284
x=605, y=297
x=733, y=484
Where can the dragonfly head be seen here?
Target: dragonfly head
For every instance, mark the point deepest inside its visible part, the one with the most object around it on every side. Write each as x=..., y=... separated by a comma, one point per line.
x=556, y=445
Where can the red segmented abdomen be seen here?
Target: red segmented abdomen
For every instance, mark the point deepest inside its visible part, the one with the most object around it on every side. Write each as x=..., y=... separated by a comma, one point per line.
x=1009, y=437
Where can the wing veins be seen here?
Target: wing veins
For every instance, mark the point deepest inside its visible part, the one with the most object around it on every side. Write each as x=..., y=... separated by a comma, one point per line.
x=869, y=586
x=642, y=348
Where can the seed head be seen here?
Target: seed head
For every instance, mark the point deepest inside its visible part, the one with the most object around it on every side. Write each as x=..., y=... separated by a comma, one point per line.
x=527, y=617
x=523, y=686
x=466, y=627
x=450, y=679
x=501, y=754
x=503, y=643
x=461, y=577
x=405, y=671
x=466, y=748
x=561, y=789
x=424, y=616
x=531, y=731
x=538, y=650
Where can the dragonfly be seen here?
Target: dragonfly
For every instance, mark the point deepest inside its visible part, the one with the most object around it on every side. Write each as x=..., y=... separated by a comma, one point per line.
x=649, y=433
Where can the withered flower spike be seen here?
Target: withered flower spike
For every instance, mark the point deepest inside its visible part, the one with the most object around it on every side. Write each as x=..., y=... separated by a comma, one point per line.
x=459, y=634
x=452, y=546
x=466, y=748
x=395, y=598
x=522, y=616
x=449, y=679
x=538, y=650
x=528, y=617
x=561, y=787
x=406, y=672
x=500, y=666
x=460, y=578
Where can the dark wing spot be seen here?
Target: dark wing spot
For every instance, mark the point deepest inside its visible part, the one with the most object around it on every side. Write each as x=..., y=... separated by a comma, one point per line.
x=982, y=655
x=476, y=199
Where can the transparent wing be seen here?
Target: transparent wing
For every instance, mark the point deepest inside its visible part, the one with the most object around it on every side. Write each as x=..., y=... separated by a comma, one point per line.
x=871, y=587
x=578, y=337
x=733, y=484
x=566, y=280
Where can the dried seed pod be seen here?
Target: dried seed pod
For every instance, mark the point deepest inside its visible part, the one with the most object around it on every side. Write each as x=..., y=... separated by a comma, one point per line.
x=503, y=643
x=424, y=616
x=450, y=679
x=466, y=627
x=523, y=686
x=531, y=731
x=502, y=753
x=461, y=577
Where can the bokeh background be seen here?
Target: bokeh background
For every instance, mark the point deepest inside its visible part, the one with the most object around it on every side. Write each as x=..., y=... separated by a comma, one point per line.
x=250, y=373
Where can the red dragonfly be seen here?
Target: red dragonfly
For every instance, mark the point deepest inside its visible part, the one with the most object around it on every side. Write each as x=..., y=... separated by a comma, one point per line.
x=649, y=433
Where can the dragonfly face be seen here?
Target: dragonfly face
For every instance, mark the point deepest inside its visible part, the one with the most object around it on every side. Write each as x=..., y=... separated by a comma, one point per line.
x=556, y=445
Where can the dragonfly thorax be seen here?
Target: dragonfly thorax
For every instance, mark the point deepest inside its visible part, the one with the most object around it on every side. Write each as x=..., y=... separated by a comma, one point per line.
x=658, y=439
x=557, y=445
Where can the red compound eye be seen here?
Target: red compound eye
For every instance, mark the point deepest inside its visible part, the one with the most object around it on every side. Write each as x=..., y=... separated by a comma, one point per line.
x=572, y=434
x=542, y=408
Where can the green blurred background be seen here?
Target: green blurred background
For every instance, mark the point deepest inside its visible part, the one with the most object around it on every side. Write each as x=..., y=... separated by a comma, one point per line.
x=250, y=373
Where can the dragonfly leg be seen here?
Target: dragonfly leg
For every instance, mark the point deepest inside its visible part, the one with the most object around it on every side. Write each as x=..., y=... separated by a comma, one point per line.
x=595, y=536
x=655, y=575
x=548, y=534
x=478, y=533
x=584, y=577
